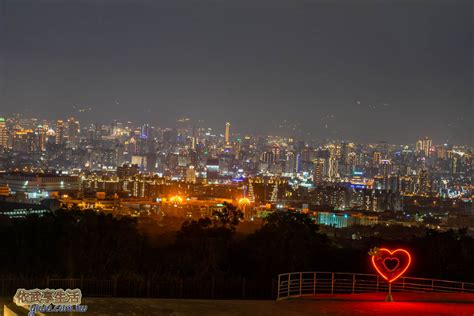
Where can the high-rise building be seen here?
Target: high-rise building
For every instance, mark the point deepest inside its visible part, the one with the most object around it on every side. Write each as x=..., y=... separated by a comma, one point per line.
x=290, y=162
x=377, y=156
x=40, y=138
x=267, y=156
x=385, y=170
x=441, y=152
x=276, y=152
x=227, y=133
x=60, y=132
x=24, y=141
x=3, y=133
x=318, y=171
x=423, y=185
x=423, y=146
x=333, y=166
x=73, y=130
x=191, y=175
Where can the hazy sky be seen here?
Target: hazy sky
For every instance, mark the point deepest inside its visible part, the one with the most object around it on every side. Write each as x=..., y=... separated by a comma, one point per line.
x=358, y=70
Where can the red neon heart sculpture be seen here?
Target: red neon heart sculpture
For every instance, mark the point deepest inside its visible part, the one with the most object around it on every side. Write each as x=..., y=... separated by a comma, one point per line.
x=391, y=265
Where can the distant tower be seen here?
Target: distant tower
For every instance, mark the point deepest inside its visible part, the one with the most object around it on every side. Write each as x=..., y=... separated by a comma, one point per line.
x=423, y=182
x=3, y=133
x=318, y=171
x=377, y=156
x=333, y=166
x=385, y=170
x=59, y=132
x=227, y=133
x=73, y=130
x=423, y=146
x=40, y=138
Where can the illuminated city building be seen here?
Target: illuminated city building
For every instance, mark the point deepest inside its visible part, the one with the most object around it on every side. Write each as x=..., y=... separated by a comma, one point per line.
x=319, y=165
x=36, y=184
x=333, y=165
x=24, y=141
x=423, y=185
x=50, y=136
x=191, y=175
x=385, y=170
x=21, y=210
x=40, y=138
x=377, y=157
x=212, y=168
x=227, y=133
x=73, y=130
x=342, y=220
x=3, y=134
x=423, y=146
x=60, y=132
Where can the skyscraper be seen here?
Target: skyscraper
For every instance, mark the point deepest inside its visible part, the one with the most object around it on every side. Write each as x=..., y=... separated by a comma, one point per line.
x=73, y=130
x=423, y=146
x=3, y=133
x=40, y=138
x=333, y=166
x=318, y=171
x=227, y=133
x=59, y=132
x=377, y=156
x=191, y=175
x=423, y=185
x=24, y=141
x=385, y=170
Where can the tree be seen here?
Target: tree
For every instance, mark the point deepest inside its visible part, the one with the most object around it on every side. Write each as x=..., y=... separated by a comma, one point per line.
x=228, y=217
x=287, y=241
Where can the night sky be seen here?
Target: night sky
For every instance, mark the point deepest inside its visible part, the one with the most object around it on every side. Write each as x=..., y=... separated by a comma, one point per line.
x=371, y=71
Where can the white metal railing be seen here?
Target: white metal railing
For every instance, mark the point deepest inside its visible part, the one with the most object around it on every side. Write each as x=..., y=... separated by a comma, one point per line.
x=299, y=284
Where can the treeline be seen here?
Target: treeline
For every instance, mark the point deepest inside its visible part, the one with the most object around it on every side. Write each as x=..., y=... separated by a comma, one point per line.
x=96, y=245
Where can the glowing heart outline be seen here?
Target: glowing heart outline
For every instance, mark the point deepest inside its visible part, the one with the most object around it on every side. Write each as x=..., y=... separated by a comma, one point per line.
x=391, y=279
x=391, y=259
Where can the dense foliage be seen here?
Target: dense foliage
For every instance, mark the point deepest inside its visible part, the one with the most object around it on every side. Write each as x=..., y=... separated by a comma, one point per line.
x=87, y=243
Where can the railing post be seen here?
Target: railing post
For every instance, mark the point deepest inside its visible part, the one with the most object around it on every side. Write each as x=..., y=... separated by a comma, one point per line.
x=332, y=283
x=301, y=281
x=314, y=284
x=377, y=283
x=432, y=285
x=278, y=288
x=353, y=283
x=462, y=287
x=289, y=284
x=403, y=286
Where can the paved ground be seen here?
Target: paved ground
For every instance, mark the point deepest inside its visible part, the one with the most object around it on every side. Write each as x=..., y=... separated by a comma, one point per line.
x=361, y=304
x=366, y=304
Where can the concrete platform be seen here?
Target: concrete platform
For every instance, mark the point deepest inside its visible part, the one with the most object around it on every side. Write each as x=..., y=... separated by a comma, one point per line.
x=357, y=304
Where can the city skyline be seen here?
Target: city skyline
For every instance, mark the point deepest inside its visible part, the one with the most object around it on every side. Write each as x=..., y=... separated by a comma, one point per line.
x=157, y=61
x=285, y=130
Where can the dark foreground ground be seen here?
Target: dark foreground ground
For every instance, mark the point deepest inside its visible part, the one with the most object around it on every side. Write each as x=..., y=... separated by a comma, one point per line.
x=359, y=304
